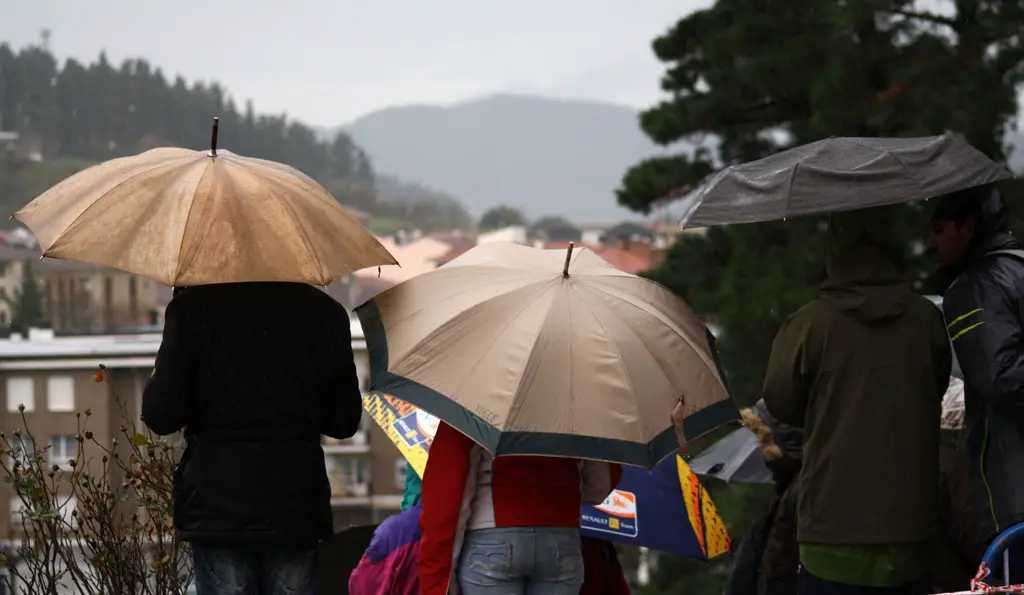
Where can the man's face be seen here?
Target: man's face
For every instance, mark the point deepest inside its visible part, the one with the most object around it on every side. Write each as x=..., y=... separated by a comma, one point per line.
x=948, y=242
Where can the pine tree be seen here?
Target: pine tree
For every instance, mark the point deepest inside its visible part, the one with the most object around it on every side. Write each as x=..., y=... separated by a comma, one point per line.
x=27, y=302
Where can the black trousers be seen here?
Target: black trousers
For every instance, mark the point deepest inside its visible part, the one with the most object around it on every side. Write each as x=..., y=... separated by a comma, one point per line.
x=812, y=585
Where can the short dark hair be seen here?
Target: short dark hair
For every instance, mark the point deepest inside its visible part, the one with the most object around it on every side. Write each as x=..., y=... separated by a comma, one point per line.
x=958, y=206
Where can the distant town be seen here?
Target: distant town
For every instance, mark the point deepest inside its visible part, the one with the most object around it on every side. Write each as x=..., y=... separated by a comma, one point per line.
x=97, y=315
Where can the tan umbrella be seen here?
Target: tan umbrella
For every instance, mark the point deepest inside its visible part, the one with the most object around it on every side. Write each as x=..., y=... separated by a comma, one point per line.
x=593, y=363
x=186, y=217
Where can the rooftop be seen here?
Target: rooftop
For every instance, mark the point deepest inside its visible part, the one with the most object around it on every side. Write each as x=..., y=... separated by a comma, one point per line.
x=42, y=344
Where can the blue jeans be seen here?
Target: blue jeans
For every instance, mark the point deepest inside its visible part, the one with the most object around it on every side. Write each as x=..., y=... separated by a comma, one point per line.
x=809, y=584
x=257, y=570
x=522, y=561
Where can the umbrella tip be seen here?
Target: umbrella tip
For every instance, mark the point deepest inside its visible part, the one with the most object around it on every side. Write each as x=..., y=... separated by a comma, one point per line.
x=568, y=257
x=213, y=137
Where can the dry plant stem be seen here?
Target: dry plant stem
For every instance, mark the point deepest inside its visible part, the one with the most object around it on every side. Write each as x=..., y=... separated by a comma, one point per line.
x=120, y=538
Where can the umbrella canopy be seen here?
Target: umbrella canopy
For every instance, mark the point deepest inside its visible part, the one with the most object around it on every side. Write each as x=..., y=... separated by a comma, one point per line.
x=186, y=217
x=665, y=509
x=737, y=458
x=527, y=356
x=839, y=174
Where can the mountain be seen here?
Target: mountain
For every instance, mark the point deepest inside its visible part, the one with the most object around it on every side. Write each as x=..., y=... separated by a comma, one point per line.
x=544, y=156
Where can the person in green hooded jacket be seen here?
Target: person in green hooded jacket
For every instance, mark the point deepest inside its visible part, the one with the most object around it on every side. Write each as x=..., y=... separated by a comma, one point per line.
x=413, y=487
x=863, y=369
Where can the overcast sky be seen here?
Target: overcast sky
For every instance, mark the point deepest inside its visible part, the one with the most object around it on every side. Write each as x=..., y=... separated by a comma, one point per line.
x=327, y=62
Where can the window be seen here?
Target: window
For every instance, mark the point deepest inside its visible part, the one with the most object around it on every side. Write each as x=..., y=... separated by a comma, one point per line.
x=20, y=391
x=60, y=393
x=62, y=450
x=23, y=449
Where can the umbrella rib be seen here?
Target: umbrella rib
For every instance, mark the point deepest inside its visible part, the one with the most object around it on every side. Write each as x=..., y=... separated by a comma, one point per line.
x=888, y=152
x=700, y=352
x=99, y=199
x=294, y=216
x=184, y=227
x=517, y=407
x=622, y=362
x=494, y=342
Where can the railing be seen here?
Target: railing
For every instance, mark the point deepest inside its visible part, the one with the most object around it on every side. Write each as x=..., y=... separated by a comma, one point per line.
x=1000, y=548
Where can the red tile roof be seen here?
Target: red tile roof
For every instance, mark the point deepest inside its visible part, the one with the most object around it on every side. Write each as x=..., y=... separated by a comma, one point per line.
x=624, y=260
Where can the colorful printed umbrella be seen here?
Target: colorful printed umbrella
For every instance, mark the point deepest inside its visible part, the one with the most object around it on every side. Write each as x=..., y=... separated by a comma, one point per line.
x=664, y=509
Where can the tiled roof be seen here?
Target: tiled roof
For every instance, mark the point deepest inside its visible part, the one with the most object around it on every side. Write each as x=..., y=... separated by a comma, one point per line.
x=624, y=260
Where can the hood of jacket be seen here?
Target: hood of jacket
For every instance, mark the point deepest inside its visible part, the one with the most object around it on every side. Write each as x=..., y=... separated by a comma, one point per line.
x=867, y=286
x=992, y=227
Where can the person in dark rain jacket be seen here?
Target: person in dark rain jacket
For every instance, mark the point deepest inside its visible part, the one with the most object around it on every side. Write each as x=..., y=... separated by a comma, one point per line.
x=253, y=373
x=869, y=358
x=984, y=309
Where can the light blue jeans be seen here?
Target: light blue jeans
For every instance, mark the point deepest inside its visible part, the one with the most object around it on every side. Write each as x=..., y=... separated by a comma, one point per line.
x=521, y=561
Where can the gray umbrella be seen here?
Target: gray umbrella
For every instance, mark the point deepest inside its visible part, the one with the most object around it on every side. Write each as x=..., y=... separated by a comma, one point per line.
x=839, y=174
x=733, y=459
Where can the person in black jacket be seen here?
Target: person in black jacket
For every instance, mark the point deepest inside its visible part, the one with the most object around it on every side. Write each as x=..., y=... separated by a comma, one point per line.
x=253, y=373
x=984, y=307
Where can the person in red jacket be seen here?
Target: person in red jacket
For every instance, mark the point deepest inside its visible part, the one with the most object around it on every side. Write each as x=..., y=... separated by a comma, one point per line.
x=507, y=525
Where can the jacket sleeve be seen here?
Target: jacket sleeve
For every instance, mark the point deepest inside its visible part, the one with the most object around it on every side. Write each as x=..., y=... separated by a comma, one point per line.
x=985, y=331
x=444, y=489
x=168, y=398
x=368, y=578
x=597, y=480
x=786, y=385
x=341, y=400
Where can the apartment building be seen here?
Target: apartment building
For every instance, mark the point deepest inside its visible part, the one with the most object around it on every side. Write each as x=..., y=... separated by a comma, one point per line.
x=53, y=378
x=85, y=296
x=76, y=295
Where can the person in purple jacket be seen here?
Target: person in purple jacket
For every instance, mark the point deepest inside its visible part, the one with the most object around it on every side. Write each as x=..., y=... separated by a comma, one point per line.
x=390, y=564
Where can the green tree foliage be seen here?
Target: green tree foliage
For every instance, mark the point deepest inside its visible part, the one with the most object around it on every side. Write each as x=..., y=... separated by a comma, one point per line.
x=81, y=114
x=746, y=78
x=501, y=216
x=27, y=301
x=431, y=210
x=545, y=225
x=763, y=81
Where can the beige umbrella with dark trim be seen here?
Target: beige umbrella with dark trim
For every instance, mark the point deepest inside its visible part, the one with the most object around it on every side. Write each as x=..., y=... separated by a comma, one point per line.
x=186, y=217
x=544, y=352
